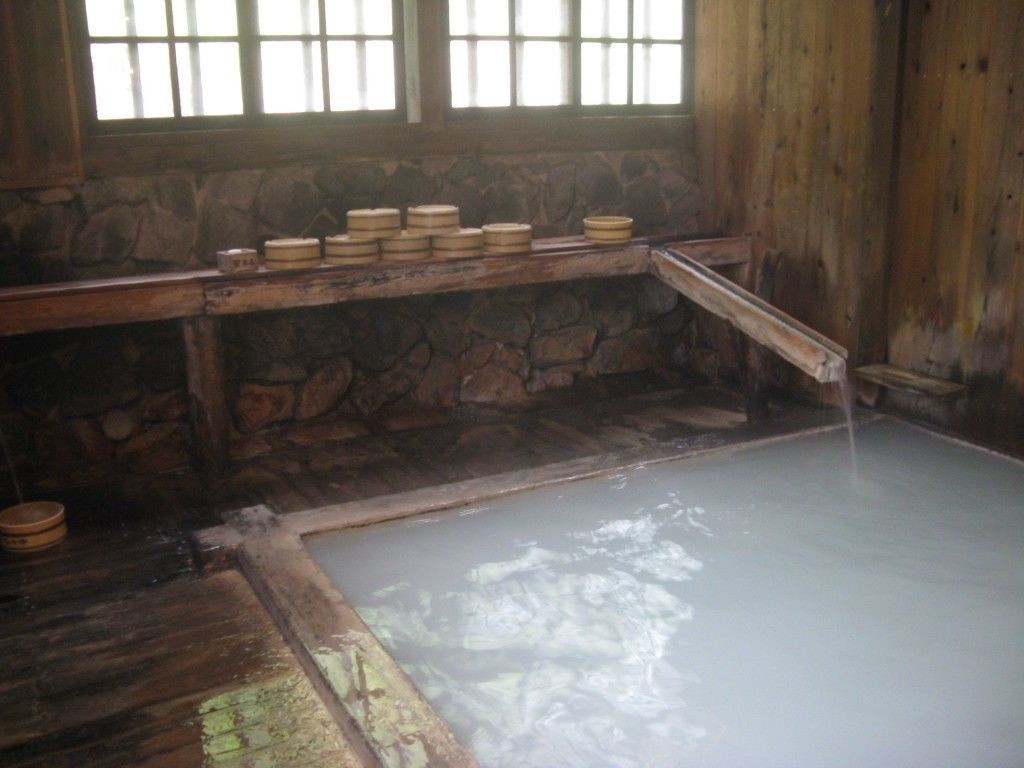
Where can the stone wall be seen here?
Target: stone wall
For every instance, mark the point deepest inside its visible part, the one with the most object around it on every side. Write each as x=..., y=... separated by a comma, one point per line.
x=73, y=402
x=172, y=222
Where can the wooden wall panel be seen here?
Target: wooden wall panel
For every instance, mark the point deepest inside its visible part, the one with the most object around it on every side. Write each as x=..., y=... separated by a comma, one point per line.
x=39, y=132
x=957, y=281
x=795, y=121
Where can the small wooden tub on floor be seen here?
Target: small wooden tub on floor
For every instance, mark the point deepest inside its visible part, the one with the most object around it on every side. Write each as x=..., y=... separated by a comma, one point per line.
x=32, y=527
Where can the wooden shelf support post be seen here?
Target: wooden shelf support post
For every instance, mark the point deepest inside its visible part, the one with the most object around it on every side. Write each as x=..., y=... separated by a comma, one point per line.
x=204, y=359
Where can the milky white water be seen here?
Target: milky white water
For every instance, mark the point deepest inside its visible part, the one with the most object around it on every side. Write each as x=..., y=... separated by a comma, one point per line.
x=759, y=608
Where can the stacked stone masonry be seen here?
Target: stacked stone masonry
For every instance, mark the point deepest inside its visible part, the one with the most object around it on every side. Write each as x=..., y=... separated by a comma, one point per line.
x=73, y=401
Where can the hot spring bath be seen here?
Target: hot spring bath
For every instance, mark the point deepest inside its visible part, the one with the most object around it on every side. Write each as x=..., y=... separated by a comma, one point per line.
x=762, y=606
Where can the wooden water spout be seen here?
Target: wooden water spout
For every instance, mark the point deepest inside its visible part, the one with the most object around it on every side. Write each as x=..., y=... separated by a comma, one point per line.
x=804, y=347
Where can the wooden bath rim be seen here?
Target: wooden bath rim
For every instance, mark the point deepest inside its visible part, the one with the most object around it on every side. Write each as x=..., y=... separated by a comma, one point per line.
x=378, y=708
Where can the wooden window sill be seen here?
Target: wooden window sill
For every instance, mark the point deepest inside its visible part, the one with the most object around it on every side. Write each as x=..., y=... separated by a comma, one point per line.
x=239, y=148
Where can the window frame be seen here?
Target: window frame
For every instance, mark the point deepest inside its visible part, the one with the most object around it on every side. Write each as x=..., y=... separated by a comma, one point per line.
x=575, y=40
x=248, y=39
x=427, y=131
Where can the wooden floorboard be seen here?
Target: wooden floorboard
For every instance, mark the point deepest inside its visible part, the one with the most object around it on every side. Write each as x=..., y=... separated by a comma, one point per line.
x=184, y=674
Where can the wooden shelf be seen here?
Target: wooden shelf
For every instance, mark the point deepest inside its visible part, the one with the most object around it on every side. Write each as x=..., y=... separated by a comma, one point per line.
x=198, y=299
x=114, y=301
x=892, y=377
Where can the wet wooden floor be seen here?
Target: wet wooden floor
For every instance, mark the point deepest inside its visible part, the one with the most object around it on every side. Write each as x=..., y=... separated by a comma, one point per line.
x=188, y=673
x=116, y=651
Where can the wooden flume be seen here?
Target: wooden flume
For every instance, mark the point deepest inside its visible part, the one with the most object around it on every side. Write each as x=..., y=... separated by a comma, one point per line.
x=814, y=354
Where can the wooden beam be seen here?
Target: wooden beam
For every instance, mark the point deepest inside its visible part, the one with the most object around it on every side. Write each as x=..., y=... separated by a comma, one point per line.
x=761, y=279
x=380, y=509
x=204, y=360
x=317, y=287
x=142, y=298
x=717, y=252
x=432, y=77
x=90, y=303
x=299, y=144
x=808, y=350
x=373, y=700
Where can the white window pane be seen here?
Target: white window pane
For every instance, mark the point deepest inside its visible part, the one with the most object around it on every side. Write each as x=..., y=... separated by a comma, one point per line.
x=478, y=17
x=209, y=79
x=543, y=74
x=292, y=77
x=155, y=73
x=289, y=17
x=380, y=69
x=135, y=18
x=542, y=18
x=657, y=74
x=661, y=19
x=361, y=80
x=359, y=17
x=106, y=19
x=150, y=18
x=604, y=18
x=604, y=70
x=205, y=17
x=480, y=73
x=112, y=75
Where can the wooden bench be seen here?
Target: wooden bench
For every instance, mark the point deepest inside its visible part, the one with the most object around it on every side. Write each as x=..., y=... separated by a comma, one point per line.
x=880, y=376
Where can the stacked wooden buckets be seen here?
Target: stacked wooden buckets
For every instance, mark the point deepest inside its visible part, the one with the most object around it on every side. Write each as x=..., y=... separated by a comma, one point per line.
x=376, y=234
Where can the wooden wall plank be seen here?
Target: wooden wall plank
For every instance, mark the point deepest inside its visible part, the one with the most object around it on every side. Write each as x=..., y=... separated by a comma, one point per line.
x=957, y=284
x=795, y=119
x=39, y=131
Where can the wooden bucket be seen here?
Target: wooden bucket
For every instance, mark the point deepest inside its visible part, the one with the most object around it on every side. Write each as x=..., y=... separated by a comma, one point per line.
x=405, y=247
x=433, y=219
x=32, y=527
x=508, y=238
x=292, y=253
x=346, y=251
x=608, y=230
x=463, y=244
x=374, y=223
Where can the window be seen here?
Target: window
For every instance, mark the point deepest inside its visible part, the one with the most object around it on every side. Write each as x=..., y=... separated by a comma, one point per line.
x=242, y=60
x=577, y=55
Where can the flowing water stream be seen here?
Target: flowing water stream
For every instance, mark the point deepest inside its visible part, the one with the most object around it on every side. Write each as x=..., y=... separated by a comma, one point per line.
x=847, y=401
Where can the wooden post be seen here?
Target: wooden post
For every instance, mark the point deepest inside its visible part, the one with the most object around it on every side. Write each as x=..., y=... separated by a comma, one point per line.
x=204, y=358
x=761, y=282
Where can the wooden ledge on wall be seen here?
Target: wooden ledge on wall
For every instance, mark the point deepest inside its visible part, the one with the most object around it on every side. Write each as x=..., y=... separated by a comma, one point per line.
x=114, y=301
x=310, y=143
